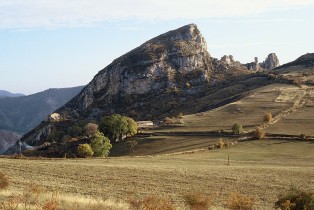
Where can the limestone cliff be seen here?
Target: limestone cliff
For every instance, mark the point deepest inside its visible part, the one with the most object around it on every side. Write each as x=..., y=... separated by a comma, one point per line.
x=163, y=64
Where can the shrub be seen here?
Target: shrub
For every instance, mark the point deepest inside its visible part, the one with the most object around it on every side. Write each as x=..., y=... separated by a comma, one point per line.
x=220, y=143
x=91, y=128
x=267, y=118
x=75, y=131
x=302, y=136
x=237, y=201
x=259, y=133
x=4, y=182
x=295, y=199
x=84, y=150
x=151, y=202
x=197, y=201
x=237, y=128
x=100, y=145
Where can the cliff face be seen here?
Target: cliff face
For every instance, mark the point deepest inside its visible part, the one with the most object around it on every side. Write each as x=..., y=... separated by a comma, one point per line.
x=163, y=64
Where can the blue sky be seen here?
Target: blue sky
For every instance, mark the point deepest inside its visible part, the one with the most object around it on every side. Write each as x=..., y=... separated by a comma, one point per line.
x=64, y=43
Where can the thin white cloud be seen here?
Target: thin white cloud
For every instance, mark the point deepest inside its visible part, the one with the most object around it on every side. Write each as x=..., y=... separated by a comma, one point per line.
x=74, y=13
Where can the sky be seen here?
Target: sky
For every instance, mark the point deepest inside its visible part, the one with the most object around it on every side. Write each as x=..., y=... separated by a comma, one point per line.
x=64, y=43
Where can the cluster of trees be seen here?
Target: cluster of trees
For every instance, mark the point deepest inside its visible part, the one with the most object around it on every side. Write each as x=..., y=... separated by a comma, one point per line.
x=98, y=137
x=110, y=129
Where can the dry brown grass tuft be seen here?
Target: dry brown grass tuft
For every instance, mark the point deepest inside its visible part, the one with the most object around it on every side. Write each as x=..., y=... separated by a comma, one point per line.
x=268, y=117
x=4, y=181
x=237, y=201
x=197, y=201
x=221, y=144
x=151, y=202
x=259, y=133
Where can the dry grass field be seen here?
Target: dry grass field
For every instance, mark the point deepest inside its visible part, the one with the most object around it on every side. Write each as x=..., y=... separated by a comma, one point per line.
x=258, y=169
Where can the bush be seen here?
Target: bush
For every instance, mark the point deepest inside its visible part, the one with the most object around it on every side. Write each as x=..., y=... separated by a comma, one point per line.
x=4, y=182
x=151, y=202
x=75, y=131
x=237, y=128
x=84, y=150
x=220, y=143
x=91, y=128
x=259, y=133
x=240, y=202
x=100, y=145
x=197, y=201
x=302, y=136
x=295, y=199
x=267, y=118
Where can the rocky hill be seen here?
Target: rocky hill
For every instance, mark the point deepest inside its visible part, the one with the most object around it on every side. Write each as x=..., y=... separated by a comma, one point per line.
x=166, y=75
x=4, y=93
x=21, y=114
x=306, y=60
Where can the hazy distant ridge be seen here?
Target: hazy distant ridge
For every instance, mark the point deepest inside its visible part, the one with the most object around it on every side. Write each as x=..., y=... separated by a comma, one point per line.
x=4, y=93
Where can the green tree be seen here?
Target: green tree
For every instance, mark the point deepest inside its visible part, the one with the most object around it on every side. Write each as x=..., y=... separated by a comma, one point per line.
x=75, y=131
x=84, y=150
x=132, y=126
x=114, y=126
x=100, y=145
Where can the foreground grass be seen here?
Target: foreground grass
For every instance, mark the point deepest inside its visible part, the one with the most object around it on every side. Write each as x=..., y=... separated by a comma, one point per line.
x=260, y=170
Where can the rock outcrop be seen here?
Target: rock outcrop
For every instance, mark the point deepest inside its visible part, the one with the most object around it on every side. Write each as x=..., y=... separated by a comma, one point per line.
x=270, y=62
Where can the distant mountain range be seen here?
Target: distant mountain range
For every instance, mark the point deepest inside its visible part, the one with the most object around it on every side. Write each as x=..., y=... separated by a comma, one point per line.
x=20, y=114
x=4, y=93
